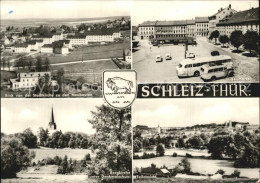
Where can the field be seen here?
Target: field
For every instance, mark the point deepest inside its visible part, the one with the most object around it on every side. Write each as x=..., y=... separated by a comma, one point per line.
x=175, y=180
x=54, y=179
x=90, y=71
x=89, y=52
x=75, y=154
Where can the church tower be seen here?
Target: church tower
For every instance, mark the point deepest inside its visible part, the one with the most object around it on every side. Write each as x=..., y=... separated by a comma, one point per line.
x=52, y=125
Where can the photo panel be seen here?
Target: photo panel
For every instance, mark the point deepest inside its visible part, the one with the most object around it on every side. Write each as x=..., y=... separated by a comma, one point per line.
x=61, y=48
x=65, y=140
x=196, y=140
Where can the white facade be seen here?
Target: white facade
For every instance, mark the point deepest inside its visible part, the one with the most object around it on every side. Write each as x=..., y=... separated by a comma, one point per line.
x=64, y=50
x=228, y=29
x=20, y=49
x=27, y=80
x=202, y=28
x=146, y=31
x=47, y=49
x=100, y=38
x=78, y=41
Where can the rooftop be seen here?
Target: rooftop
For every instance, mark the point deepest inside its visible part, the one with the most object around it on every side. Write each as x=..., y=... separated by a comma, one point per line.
x=201, y=19
x=251, y=15
x=166, y=23
x=148, y=23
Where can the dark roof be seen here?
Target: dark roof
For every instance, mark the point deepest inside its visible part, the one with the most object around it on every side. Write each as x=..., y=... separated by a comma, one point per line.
x=251, y=15
x=43, y=36
x=76, y=36
x=47, y=46
x=24, y=45
x=166, y=23
x=175, y=38
x=148, y=23
x=189, y=22
x=103, y=31
x=150, y=170
x=201, y=19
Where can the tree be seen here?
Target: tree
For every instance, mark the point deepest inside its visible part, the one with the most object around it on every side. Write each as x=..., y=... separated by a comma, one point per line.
x=236, y=38
x=251, y=39
x=14, y=156
x=39, y=64
x=160, y=150
x=223, y=39
x=194, y=142
x=8, y=64
x=84, y=143
x=180, y=143
x=215, y=34
x=3, y=60
x=123, y=54
x=211, y=36
x=60, y=79
x=112, y=140
x=186, y=165
x=44, y=85
x=137, y=145
x=30, y=62
x=47, y=64
x=43, y=136
x=28, y=138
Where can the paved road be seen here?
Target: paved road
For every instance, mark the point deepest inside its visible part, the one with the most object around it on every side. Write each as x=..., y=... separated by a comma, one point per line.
x=150, y=71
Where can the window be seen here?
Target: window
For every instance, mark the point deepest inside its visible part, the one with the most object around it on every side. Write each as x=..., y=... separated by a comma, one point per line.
x=211, y=70
x=188, y=66
x=196, y=65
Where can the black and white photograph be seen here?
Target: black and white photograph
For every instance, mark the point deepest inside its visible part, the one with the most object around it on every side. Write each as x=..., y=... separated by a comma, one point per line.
x=196, y=140
x=60, y=48
x=65, y=140
x=196, y=41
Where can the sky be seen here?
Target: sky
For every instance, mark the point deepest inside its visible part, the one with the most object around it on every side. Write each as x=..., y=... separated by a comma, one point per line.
x=188, y=112
x=70, y=114
x=182, y=10
x=63, y=9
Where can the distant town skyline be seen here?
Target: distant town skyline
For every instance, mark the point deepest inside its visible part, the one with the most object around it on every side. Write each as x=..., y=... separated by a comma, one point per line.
x=189, y=112
x=182, y=10
x=62, y=9
x=70, y=114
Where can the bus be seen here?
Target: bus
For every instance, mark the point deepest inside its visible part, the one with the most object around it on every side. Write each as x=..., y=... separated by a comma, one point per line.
x=192, y=67
x=211, y=72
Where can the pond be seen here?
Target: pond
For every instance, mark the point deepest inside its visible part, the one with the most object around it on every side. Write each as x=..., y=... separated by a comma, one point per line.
x=182, y=152
x=204, y=166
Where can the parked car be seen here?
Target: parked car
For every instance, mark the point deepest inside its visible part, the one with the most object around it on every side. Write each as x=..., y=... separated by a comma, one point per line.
x=168, y=56
x=158, y=58
x=190, y=55
x=214, y=53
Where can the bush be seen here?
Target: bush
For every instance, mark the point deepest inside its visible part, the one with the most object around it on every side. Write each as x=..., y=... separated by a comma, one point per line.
x=174, y=154
x=50, y=161
x=220, y=171
x=236, y=174
x=188, y=155
x=14, y=156
x=148, y=155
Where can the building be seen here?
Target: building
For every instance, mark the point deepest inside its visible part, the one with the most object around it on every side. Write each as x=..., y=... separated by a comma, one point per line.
x=236, y=126
x=243, y=21
x=52, y=127
x=202, y=26
x=47, y=48
x=221, y=15
x=78, y=39
x=128, y=56
x=191, y=28
x=102, y=35
x=27, y=80
x=20, y=48
x=146, y=30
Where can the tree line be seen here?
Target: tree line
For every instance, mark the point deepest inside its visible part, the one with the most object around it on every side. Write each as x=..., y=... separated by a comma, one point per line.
x=249, y=40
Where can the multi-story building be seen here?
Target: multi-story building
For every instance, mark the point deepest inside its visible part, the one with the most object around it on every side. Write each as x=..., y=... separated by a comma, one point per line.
x=47, y=48
x=78, y=39
x=170, y=29
x=221, y=15
x=27, y=80
x=191, y=28
x=21, y=48
x=243, y=20
x=202, y=26
x=146, y=30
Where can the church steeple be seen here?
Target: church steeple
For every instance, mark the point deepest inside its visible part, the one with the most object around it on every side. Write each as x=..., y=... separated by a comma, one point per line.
x=52, y=124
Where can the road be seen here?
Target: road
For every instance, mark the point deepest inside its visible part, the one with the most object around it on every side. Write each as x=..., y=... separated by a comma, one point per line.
x=246, y=69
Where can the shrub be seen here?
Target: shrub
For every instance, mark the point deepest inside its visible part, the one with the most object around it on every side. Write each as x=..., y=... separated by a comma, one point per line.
x=174, y=154
x=188, y=155
x=220, y=171
x=236, y=173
